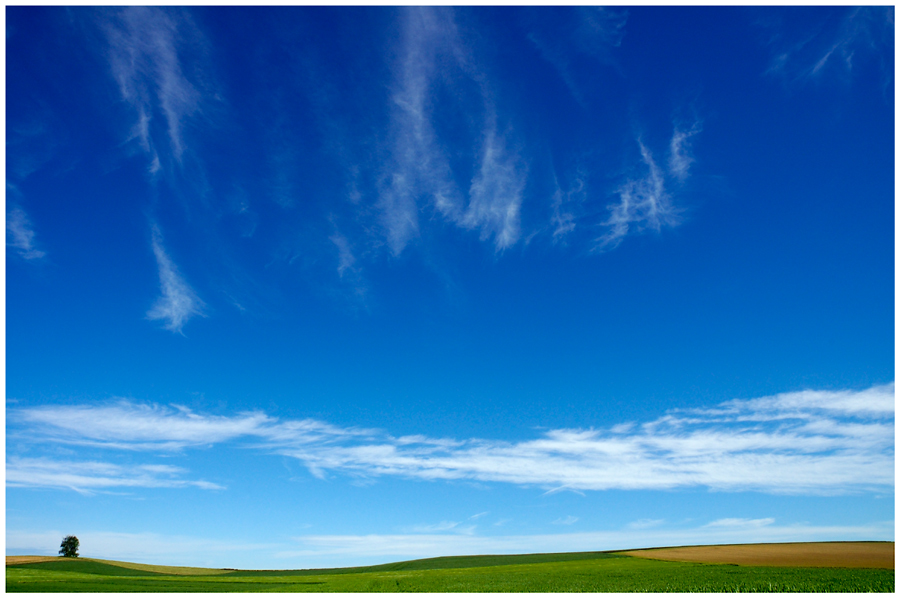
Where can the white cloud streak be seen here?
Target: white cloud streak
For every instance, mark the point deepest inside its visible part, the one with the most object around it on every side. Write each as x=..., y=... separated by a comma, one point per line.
x=131, y=427
x=128, y=426
x=808, y=442
x=177, y=302
x=443, y=526
x=20, y=234
x=569, y=520
x=90, y=476
x=645, y=523
x=877, y=401
x=739, y=522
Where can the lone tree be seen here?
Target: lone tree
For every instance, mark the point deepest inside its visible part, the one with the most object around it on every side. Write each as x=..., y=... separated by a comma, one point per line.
x=69, y=547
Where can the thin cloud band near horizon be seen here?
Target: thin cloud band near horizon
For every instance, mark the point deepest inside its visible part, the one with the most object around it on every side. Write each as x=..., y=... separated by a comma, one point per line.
x=807, y=442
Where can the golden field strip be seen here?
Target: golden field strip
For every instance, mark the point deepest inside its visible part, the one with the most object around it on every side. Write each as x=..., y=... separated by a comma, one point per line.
x=858, y=555
x=21, y=560
x=165, y=569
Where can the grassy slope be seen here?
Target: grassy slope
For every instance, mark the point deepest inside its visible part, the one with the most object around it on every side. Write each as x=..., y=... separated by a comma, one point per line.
x=567, y=572
x=167, y=570
x=449, y=562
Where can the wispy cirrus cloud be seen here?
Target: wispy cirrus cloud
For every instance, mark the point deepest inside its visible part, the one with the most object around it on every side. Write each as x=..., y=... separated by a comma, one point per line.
x=95, y=476
x=740, y=522
x=348, y=267
x=643, y=203
x=144, y=59
x=837, y=42
x=33, y=143
x=125, y=425
x=419, y=174
x=646, y=202
x=564, y=204
x=808, y=442
x=569, y=520
x=177, y=302
x=875, y=402
x=443, y=526
x=495, y=198
x=581, y=31
x=20, y=234
x=645, y=523
x=419, y=168
x=346, y=258
x=680, y=156
x=129, y=426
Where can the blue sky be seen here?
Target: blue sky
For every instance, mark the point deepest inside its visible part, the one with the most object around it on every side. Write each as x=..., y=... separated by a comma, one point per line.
x=300, y=287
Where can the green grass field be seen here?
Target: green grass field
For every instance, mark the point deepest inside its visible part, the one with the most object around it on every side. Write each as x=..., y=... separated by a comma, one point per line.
x=565, y=572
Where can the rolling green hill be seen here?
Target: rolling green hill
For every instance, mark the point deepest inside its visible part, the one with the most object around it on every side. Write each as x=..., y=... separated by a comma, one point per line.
x=562, y=572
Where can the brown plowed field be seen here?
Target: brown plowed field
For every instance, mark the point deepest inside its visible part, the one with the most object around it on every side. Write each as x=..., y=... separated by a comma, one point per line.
x=868, y=555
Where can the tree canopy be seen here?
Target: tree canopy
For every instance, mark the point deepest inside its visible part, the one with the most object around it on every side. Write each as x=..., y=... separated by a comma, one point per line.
x=69, y=547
